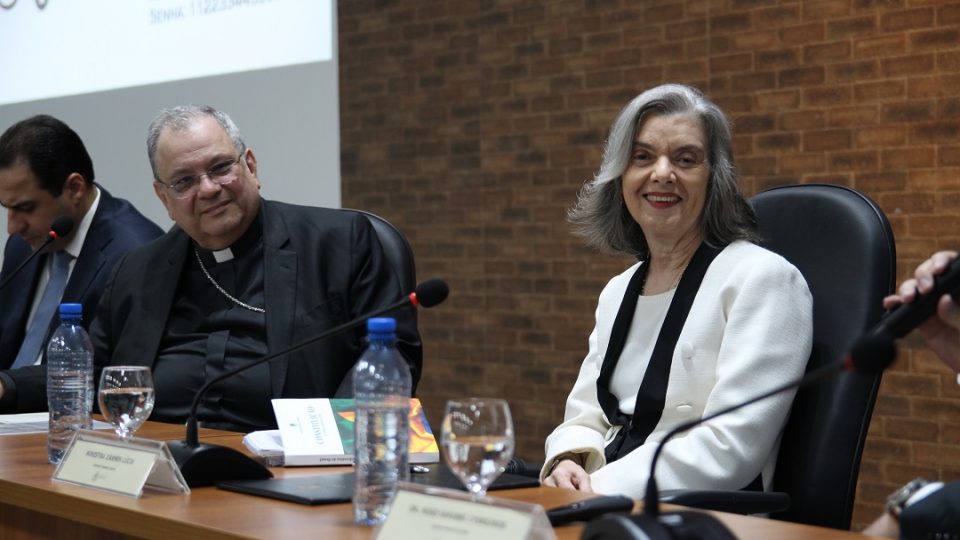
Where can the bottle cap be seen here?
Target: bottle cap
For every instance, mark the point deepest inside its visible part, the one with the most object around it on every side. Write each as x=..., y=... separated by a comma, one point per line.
x=381, y=325
x=71, y=310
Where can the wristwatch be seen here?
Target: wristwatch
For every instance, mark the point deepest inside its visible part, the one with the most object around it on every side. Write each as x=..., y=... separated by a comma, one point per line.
x=897, y=500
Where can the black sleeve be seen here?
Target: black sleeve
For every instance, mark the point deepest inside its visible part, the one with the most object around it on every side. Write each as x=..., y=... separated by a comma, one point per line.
x=935, y=516
x=24, y=389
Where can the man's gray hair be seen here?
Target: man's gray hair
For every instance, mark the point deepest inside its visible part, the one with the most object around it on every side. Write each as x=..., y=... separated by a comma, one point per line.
x=182, y=117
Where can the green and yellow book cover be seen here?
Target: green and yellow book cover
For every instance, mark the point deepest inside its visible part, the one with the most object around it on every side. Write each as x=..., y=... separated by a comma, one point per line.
x=321, y=432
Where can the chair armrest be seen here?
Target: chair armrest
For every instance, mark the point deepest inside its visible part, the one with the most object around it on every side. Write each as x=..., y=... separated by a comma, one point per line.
x=737, y=502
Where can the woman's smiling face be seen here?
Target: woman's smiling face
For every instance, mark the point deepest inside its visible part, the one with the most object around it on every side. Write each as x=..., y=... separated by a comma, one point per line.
x=665, y=184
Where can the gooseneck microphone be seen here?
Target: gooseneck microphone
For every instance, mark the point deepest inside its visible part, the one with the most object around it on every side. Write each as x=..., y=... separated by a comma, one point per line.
x=902, y=319
x=205, y=464
x=871, y=354
x=60, y=227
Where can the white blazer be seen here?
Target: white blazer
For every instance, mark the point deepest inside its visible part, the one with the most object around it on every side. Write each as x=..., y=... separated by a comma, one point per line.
x=749, y=329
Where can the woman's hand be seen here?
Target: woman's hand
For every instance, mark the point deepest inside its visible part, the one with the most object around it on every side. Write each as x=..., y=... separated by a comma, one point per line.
x=567, y=474
x=942, y=333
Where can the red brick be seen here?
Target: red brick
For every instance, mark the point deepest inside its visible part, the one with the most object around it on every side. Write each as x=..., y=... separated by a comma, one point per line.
x=933, y=87
x=859, y=161
x=913, y=430
x=931, y=225
x=751, y=41
x=733, y=62
x=880, y=91
x=803, y=33
x=778, y=141
x=880, y=46
x=828, y=96
x=777, y=101
x=856, y=71
x=882, y=181
x=804, y=76
x=910, y=111
x=824, y=9
x=914, y=64
x=776, y=58
x=907, y=19
x=911, y=157
x=755, y=123
x=935, y=39
x=853, y=26
x=827, y=140
x=823, y=52
x=935, y=132
x=861, y=115
x=803, y=120
x=803, y=163
x=948, y=156
x=891, y=135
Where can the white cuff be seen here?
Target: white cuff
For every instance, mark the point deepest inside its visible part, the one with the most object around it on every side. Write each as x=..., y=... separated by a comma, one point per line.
x=923, y=492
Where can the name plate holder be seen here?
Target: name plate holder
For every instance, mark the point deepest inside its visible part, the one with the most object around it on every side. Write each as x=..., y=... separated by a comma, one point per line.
x=420, y=511
x=103, y=461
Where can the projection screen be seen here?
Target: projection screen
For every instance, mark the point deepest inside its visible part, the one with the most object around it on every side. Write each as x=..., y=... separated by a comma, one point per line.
x=107, y=67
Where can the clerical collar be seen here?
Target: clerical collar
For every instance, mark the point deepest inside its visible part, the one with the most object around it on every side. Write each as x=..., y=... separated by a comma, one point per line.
x=241, y=247
x=223, y=255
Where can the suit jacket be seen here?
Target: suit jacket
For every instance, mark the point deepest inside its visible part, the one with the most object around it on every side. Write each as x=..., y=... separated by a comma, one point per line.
x=935, y=516
x=116, y=228
x=322, y=267
x=749, y=329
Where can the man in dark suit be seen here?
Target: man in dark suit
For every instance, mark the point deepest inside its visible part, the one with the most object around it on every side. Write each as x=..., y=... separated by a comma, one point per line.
x=45, y=172
x=921, y=508
x=240, y=277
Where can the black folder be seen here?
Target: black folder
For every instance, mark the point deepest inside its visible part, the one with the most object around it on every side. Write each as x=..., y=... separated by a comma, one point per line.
x=338, y=487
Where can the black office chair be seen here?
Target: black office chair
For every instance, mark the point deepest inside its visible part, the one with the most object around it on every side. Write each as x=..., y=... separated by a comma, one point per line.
x=397, y=250
x=843, y=245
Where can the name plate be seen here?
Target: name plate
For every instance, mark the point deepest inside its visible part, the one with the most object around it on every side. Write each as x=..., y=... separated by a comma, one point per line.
x=429, y=512
x=104, y=461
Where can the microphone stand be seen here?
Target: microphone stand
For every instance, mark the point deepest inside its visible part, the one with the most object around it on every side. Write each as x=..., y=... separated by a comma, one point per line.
x=61, y=227
x=204, y=464
x=869, y=355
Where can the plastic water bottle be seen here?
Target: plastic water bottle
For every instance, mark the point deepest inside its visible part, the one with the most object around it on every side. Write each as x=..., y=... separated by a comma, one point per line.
x=381, y=388
x=69, y=381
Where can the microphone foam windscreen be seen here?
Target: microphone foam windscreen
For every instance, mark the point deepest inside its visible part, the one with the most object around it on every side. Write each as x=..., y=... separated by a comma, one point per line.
x=432, y=292
x=873, y=354
x=62, y=225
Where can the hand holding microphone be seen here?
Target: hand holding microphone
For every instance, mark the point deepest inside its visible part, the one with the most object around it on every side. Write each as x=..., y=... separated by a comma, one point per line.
x=922, y=297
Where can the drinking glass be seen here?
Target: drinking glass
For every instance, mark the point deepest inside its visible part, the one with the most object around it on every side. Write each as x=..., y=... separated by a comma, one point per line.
x=477, y=439
x=126, y=397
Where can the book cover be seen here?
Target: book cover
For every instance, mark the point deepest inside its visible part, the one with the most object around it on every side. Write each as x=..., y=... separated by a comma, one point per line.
x=321, y=432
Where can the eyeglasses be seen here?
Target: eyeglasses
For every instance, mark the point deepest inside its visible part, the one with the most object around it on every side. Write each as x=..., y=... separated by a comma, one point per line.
x=220, y=173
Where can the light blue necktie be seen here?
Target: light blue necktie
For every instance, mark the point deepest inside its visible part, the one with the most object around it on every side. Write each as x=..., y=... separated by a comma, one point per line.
x=49, y=302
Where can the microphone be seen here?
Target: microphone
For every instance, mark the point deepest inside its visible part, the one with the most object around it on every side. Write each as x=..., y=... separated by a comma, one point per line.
x=871, y=354
x=204, y=464
x=60, y=227
x=902, y=319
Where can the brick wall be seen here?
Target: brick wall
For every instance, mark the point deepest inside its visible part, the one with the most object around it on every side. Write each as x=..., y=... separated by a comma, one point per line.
x=471, y=124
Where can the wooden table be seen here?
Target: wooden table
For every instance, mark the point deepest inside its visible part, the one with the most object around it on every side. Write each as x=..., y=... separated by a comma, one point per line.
x=34, y=506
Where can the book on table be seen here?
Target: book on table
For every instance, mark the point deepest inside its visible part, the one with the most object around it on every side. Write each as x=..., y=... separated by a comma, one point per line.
x=320, y=431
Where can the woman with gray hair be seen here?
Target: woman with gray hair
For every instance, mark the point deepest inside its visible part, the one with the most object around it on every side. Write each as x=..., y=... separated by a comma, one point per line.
x=704, y=320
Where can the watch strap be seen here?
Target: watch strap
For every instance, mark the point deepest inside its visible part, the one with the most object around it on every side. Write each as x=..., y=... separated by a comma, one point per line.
x=897, y=500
